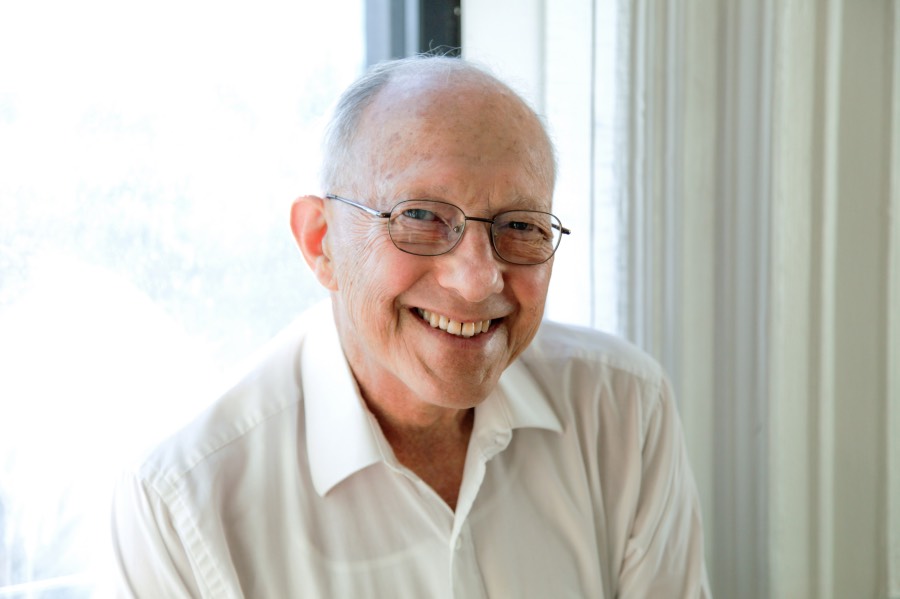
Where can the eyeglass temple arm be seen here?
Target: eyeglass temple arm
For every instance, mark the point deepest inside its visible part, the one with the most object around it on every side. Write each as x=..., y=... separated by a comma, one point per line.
x=562, y=229
x=371, y=211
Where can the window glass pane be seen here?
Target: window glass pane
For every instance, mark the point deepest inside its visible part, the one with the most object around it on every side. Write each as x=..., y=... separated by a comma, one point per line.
x=581, y=89
x=149, y=152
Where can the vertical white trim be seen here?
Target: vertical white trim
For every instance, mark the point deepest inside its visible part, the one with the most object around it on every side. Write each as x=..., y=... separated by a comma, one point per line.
x=592, y=175
x=609, y=160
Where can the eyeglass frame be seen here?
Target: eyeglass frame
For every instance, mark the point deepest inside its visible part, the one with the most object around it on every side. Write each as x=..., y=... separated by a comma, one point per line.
x=380, y=214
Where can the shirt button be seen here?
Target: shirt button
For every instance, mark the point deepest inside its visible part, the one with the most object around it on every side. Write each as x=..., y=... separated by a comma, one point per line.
x=459, y=542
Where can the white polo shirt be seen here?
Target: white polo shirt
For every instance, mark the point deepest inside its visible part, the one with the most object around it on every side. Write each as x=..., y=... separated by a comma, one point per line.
x=576, y=484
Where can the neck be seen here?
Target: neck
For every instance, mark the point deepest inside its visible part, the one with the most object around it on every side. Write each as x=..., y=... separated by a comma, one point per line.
x=432, y=443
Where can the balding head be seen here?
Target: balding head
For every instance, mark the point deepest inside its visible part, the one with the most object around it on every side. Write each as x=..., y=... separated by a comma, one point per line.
x=432, y=92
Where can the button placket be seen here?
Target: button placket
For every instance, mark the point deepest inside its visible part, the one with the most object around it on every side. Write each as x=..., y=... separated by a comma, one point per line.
x=465, y=573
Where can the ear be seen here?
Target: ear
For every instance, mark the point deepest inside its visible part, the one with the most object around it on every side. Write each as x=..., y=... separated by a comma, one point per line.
x=309, y=224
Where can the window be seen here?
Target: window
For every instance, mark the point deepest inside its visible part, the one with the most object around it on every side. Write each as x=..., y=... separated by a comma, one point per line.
x=567, y=61
x=149, y=156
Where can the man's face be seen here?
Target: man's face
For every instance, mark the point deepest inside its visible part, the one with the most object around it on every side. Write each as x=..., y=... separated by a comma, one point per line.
x=480, y=150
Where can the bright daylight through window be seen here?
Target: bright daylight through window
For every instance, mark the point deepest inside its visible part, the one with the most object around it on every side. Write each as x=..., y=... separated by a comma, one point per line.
x=149, y=156
x=149, y=153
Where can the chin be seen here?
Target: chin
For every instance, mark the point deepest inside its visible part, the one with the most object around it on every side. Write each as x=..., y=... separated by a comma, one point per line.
x=459, y=395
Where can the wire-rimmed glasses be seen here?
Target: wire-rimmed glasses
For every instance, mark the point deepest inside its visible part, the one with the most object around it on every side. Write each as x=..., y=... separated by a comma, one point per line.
x=433, y=227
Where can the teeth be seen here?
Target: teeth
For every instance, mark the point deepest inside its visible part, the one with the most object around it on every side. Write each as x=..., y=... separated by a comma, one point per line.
x=454, y=327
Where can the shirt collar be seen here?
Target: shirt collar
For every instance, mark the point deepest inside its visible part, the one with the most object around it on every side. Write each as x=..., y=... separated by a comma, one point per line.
x=342, y=436
x=523, y=401
x=339, y=435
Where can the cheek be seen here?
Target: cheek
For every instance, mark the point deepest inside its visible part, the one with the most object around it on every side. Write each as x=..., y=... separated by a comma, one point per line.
x=357, y=269
x=354, y=245
x=531, y=294
x=370, y=277
x=533, y=286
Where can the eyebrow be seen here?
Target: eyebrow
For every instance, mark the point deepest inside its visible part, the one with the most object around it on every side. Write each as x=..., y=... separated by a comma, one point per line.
x=443, y=194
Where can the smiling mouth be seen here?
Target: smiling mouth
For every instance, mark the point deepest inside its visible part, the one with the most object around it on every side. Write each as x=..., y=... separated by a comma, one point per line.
x=454, y=327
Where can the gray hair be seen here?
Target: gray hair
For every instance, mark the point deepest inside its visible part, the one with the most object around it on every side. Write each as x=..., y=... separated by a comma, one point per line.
x=340, y=134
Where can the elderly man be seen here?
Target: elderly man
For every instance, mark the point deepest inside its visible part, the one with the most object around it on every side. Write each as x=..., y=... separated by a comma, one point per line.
x=424, y=434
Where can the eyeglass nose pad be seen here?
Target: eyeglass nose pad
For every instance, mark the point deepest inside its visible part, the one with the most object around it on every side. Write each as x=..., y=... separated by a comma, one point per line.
x=458, y=228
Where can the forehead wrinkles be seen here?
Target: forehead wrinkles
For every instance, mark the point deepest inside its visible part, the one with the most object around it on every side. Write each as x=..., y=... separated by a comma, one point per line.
x=480, y=125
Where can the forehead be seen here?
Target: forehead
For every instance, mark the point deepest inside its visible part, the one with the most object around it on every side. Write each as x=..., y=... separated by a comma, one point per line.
x=440, y=135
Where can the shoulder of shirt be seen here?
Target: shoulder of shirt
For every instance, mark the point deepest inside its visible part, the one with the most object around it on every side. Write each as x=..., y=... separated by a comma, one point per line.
x=560, y=346
x=266, y=389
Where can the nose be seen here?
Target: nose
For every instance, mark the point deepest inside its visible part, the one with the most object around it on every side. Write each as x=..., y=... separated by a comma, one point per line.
x=472, y=269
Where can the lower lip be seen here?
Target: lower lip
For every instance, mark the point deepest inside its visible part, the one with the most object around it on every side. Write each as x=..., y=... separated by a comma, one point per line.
x=479, y=338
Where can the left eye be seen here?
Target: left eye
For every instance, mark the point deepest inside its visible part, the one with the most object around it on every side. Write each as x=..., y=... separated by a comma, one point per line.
x=419, y=214
x=520, y=226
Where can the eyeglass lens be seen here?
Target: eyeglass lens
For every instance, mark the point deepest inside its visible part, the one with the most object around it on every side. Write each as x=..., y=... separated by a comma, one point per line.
x=430, y=228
